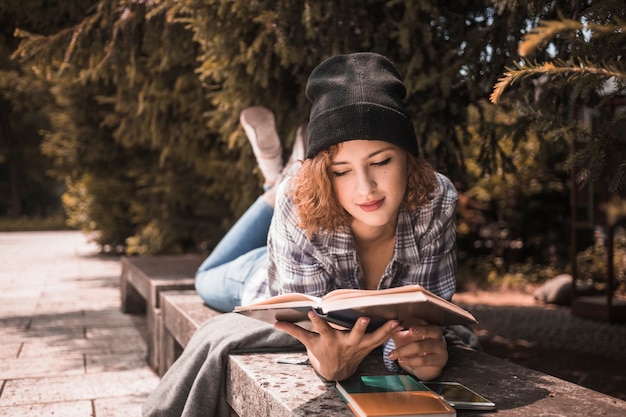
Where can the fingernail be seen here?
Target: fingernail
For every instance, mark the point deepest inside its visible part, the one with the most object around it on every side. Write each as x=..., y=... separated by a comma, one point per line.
x=392, y=356
x=364, y=321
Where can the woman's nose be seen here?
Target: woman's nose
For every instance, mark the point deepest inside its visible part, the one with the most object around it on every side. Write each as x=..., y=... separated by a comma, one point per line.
x=365, y=183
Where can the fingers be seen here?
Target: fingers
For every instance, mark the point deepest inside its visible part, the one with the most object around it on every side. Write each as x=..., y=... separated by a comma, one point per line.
x=420, y=350
x=358, y=332
x=417, y=333
x=320, y=325
x=385, y=332
x=303, y=335
x=420, y=346
x=320, y=328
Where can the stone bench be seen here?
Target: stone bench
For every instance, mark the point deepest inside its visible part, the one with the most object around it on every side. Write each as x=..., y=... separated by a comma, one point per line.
x=257, y=385
x=182, y=312
x=142, y=280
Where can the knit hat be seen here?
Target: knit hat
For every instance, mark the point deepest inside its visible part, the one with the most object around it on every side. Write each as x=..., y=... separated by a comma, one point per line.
x=358, y=96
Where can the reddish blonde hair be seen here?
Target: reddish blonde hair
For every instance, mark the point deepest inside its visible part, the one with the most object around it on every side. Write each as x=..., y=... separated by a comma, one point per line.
x=318, y=207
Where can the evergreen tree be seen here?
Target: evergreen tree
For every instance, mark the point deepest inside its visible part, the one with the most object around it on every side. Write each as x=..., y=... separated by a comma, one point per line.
x=144, y=122
x=128, y=130
x=581, y=55
x=27, y=188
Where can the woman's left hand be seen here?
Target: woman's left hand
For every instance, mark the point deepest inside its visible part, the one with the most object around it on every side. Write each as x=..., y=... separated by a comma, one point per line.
x=421, y=351
x=336, y=354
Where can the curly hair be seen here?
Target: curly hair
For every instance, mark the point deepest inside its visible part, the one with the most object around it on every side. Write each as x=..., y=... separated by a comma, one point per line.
x=318, y=207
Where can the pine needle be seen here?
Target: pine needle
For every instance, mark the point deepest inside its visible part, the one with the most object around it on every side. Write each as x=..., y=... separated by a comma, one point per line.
x=559, y=67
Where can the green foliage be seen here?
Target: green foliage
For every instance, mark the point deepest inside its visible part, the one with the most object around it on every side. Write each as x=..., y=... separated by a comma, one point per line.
x=587, y=64
x=592, y=262
x=515, y=208
x=145, y=99
x=25, y=183
x=128, y=130
x=487, y=272
x=10, y=224
x=148, y=95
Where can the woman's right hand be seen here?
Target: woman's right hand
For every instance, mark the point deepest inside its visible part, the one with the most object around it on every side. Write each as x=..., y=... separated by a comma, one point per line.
x=336, y=354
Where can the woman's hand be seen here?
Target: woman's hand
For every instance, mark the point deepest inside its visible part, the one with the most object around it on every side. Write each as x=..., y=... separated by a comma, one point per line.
x=421, y=351
x=336, y=354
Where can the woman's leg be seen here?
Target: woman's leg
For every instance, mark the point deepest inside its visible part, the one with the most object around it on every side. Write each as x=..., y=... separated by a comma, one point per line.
x=222, y=287
x=221, y=278
x=249, y=232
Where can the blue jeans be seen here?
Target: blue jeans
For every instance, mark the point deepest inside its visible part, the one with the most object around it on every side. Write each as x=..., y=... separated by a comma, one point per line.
x=222, y=277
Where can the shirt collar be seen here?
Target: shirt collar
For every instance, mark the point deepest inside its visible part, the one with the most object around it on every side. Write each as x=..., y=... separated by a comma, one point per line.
x=405, y=250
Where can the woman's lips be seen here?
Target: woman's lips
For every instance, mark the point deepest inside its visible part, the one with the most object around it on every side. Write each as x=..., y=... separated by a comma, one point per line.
x=372, y=205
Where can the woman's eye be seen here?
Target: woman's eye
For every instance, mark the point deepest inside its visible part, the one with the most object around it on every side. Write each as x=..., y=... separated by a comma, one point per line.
x=339, y=173
x=382, y=163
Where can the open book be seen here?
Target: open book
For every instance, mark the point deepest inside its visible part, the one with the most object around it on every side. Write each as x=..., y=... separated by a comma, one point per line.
x=410, y=305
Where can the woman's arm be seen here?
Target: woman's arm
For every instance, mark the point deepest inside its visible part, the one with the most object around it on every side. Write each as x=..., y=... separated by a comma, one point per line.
x=421, y=350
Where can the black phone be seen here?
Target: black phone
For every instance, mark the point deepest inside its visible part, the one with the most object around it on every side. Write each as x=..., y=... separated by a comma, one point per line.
x=459, y=396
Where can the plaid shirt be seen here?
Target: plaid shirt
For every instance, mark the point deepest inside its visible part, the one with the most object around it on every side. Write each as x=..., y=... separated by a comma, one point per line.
x=424, y=252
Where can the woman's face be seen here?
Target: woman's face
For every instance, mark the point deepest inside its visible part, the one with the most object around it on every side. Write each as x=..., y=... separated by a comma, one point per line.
x=369, y=178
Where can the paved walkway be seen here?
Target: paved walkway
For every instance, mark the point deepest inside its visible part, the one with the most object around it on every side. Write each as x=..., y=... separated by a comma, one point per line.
x=65, y=347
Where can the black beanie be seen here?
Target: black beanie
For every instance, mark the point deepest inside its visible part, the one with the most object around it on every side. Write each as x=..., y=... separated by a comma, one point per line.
x=358, y=96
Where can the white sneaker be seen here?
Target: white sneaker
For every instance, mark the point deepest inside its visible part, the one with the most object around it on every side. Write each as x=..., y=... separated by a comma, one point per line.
x=259, y=125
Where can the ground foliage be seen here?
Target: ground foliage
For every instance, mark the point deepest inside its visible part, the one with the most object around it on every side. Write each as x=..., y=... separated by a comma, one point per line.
x=145, y=98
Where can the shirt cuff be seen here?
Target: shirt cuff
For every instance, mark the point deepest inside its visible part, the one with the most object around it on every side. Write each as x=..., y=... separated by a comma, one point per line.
x=391, y=366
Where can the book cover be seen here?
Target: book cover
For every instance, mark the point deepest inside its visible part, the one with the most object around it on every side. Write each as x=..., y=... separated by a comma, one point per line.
x=410, y=305
x=391, y=396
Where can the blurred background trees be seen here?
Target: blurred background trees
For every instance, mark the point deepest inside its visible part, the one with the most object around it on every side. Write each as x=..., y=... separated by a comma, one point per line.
x=138, y=102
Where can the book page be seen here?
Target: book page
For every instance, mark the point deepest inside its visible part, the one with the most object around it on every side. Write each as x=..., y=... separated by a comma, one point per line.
x=345, y=293
x=284, y=300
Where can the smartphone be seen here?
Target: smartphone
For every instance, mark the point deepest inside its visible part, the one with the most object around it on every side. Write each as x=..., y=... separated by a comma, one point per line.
x=459, y=396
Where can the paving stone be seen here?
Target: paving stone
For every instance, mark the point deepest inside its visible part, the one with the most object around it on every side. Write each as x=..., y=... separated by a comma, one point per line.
x=10, y=322
x=137, y=382
x=124, y=383
x=84, y=346
x=47, y=335
x=17, y=307
x=66, y=349
x=115, y=334
x=119, y=406
x=65, y=409
x=9, y=350
x=99, y=363
x=81, y=318
x=73, y=364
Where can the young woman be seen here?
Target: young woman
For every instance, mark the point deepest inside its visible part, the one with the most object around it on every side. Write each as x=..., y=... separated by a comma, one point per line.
x=362, y=211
